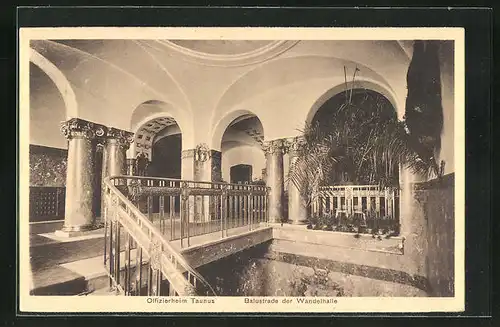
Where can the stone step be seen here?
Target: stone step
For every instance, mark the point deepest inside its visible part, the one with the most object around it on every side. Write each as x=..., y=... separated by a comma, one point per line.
x=78, y=277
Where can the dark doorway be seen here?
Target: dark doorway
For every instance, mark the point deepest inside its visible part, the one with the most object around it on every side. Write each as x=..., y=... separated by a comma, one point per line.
x=166, y=158
x=166, y=162
x=241, y=174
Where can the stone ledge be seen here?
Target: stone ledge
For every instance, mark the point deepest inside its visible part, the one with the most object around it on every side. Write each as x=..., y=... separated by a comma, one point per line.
x=365, y=242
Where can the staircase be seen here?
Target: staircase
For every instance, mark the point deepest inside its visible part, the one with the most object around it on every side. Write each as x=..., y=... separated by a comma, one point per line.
x=139, y=259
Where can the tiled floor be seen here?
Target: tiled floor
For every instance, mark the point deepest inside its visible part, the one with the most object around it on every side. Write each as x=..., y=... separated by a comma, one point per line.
x=54, y=260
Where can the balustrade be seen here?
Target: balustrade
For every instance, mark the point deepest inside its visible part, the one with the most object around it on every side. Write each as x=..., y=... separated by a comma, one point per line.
x=144, y=214
x=370, y=206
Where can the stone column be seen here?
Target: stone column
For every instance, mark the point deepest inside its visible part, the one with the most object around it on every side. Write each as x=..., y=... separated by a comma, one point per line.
x=82, y=143
x=297, y=210
x=115, y=144
x=202, y=172
x=274, y=179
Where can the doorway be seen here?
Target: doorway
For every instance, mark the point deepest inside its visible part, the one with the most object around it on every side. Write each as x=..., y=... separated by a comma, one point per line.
x=241, y=174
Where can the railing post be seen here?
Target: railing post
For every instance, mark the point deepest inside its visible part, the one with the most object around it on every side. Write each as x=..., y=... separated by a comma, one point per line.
x=184, y=212
x=224, y=210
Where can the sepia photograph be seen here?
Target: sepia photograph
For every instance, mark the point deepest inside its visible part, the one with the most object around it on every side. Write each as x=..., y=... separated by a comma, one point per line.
x=241, y=170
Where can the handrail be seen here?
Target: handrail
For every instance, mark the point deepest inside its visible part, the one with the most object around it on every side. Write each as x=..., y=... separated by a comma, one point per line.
x=142, y=221
x=185, y=180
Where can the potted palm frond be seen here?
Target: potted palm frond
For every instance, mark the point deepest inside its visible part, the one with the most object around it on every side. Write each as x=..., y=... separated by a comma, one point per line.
x=363, y=142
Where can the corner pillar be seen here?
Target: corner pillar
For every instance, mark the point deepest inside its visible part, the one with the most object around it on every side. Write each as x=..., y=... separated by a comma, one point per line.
x=413, y=226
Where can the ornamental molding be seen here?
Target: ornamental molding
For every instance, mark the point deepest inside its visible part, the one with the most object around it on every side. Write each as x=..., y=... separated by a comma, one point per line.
x=187, y=153
x=262, y=54
x=202, y=153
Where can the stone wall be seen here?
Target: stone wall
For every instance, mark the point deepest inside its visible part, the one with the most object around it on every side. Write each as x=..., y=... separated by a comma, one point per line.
x=47, y=183
x=436, y=201
x=47, y=166
x=217, y=249
x=260, y=271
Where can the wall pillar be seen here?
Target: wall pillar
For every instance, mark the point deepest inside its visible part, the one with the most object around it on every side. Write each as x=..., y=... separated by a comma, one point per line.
x=115, y=145
x=413, y=226
x=82, y=144
x=297, y=210
x=274, y=179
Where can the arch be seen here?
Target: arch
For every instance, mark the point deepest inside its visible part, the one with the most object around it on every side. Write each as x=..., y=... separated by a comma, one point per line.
x=223, y=124
x=290, y=70
x=168, y=131
x=60, y=81
x=151, y=110
x=359, y=84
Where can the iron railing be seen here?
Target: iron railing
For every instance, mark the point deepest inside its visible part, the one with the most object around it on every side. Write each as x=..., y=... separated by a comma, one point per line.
x=184, y=209
x=143, y=214
x=370, y=206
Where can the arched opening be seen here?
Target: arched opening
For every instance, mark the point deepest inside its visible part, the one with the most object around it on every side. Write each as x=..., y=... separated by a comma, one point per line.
x=371, y=110
x=47, y=147
x=357, y=138
x=242, y=145
x=158, y=146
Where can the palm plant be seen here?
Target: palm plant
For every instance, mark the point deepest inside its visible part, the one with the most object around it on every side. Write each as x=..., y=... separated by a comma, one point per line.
x=364, y=142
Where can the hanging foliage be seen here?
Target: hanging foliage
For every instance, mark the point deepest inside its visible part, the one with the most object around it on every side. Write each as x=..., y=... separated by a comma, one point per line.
x=424, y=111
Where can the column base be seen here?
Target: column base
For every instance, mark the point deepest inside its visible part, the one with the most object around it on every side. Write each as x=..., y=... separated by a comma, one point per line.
x=297, y=222
x=75, y=231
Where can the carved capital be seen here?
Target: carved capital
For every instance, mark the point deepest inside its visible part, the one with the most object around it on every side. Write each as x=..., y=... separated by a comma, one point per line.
x=274, y=146
x=293, y=145
x=79, y=128
x=123, y=138
x=202, y=153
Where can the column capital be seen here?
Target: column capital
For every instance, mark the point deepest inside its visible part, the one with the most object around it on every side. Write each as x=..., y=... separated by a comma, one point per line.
x=293, y=144
x=274, y=146
x=123, y=138
x=80, y=128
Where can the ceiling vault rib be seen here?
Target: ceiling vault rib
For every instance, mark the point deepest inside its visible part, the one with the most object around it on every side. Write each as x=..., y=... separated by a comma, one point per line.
x=166, y=71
